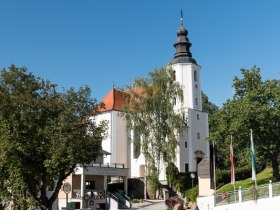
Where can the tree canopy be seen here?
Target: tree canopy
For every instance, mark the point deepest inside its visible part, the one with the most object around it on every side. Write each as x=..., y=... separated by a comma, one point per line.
x=44, y=134
x=255, y=105
x=208, y=106
x=151, y=113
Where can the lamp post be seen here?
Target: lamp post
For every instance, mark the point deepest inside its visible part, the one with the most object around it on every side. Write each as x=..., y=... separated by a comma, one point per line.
x=67, y=189
x=192, y=177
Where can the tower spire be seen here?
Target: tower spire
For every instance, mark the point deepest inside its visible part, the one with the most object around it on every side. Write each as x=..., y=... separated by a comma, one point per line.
x=182, y=46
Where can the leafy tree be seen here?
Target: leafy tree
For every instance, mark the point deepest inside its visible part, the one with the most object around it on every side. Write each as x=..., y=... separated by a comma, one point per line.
x=208, y=106
x=151, y=113
x=256, y=106
x=44, y=134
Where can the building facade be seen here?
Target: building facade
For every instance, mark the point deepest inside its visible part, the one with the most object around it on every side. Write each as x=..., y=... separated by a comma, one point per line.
x=193, y=146
x=119, y=143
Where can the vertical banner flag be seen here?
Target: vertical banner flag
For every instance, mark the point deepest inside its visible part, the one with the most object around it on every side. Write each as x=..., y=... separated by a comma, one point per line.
x=232, y=174
x=253, y=160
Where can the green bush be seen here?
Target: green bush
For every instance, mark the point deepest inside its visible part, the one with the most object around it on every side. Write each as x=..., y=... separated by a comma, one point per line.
x=192, y=194
x=181, y=181
x=223, y=176
x=137, y=201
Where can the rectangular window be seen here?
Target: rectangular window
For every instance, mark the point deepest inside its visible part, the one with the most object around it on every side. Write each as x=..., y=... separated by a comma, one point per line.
x=197, y=116
x=186, y=167
x=196, y=101
x=198, y=135
x=186, y=144
x=90, y=185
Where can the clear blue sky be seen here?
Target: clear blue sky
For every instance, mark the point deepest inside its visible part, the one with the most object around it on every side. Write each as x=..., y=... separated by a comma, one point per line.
x=98, y=42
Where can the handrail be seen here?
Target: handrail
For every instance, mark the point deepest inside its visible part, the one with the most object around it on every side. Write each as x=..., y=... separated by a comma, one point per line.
x=254, y=193
x=111, y=195
x=107, y=165
x=127, y=198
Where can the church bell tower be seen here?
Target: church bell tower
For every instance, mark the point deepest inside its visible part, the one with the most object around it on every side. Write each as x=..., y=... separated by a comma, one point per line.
x=193, y=145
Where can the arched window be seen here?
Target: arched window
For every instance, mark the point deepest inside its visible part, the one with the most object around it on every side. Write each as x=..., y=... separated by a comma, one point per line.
x=195, y=75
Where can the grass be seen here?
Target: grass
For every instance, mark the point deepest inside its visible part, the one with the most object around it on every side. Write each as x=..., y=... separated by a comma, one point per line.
x=248, y=192
x=262, y=178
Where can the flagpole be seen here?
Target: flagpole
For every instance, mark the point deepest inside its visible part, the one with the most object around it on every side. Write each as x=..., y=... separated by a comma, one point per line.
x=214, y=165
x=254, y=171
x=232, y=171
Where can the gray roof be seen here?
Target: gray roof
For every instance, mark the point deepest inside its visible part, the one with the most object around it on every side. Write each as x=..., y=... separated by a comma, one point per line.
x=182, y=46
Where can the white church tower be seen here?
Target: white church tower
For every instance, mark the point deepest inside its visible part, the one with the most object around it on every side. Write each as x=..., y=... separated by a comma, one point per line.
x=193, y=145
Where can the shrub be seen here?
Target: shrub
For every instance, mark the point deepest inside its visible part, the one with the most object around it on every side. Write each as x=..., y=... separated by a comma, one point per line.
x=223, y=176
x=182, y=181
x=192, y=194
x=137, y=201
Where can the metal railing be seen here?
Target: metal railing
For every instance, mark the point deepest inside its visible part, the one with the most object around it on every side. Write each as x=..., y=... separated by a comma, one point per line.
x=276, y=189
x=107, y=165
x=264, y=191
x=226, y=198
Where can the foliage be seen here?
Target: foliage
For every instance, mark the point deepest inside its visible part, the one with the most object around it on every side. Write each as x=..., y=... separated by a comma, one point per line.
x=151, y=113
x=208, y=106
x=172, y=173
x=153, y=182
x=182, y=181
x=44, y=134
x=263, y=178
x=192, y=194
x=256, y=106
x=223, y=176
x=137, y=200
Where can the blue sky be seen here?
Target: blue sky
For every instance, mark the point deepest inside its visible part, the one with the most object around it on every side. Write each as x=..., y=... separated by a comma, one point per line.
x=101, y=42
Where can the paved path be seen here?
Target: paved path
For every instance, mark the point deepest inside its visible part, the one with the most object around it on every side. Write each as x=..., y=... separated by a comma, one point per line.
x=150, y=205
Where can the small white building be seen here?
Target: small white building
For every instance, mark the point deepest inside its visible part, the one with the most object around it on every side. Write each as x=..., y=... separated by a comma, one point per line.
x=88, y=186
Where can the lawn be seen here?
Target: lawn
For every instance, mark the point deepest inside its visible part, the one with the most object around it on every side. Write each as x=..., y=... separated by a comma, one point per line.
x=225, y=194
x=262, y=178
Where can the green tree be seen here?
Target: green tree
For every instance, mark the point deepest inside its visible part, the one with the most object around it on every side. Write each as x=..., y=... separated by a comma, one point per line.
x=44, y=134
x=256, y=106
x=151, y=113
x=208, y=106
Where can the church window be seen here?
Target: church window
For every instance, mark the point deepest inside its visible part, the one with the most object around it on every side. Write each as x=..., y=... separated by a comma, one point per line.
x=195, y=75
x=186, y=144
x=186, y=167
x=196, y=101
x=198, y=135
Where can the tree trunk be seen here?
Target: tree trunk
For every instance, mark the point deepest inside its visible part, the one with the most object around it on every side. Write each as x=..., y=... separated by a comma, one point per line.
x=275, y=168
x=46, y=206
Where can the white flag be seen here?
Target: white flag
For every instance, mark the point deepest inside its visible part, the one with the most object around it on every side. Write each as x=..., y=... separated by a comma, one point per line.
x=253, y=160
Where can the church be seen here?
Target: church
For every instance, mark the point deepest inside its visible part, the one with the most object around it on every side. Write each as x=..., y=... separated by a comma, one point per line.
x=193, y=146
x=119, y=160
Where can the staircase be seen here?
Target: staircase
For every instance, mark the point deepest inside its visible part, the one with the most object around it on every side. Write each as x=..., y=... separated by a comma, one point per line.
x=119, y=201
x=172, y=193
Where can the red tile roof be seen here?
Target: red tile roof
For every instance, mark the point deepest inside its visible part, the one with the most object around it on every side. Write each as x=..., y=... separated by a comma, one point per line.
x=114, y=100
